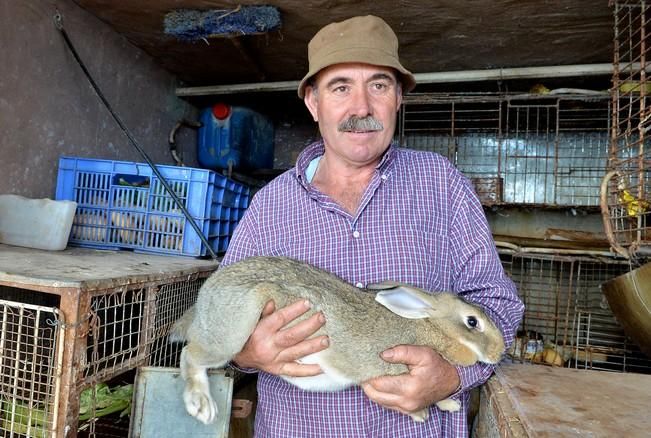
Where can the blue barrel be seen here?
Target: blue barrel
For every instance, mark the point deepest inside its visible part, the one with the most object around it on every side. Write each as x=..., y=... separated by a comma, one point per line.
x=235, y=137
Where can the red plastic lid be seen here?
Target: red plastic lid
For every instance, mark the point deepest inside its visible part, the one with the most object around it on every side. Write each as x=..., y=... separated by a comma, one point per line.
x=221, y=111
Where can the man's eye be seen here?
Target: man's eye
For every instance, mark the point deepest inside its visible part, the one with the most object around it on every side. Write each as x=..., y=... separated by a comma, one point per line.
x=341, y=89
x=380, y=86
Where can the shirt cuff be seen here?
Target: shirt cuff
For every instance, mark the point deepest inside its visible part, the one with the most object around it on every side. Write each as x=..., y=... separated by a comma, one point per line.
x=472, y=376
x=234, y=366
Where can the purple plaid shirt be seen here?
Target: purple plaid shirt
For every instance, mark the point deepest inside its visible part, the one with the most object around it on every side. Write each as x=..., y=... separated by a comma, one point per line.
x=419, y=223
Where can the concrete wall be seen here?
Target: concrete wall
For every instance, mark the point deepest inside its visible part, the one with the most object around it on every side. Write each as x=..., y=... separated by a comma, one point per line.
x=48, y=108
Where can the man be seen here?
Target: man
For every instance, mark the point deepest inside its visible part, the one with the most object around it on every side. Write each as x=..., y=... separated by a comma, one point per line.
x=361, y=207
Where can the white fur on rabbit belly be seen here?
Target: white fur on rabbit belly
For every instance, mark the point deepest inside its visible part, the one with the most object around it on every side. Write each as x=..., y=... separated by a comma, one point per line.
x=330, y=380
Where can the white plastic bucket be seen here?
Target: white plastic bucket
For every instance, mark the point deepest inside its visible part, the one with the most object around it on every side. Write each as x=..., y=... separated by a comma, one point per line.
x=35, y=223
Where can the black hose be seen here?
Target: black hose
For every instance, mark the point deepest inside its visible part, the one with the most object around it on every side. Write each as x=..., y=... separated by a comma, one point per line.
x=58, y=21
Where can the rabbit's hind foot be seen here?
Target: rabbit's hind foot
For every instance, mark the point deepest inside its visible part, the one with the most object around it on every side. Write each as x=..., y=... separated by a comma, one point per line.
x=197, y=399
x=196, y=395
x=420, y=416
x=445, y=405
x=449, y=405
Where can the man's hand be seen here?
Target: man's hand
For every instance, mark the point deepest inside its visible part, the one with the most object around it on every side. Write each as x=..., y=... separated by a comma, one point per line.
x=275, y=349
x=430, y=379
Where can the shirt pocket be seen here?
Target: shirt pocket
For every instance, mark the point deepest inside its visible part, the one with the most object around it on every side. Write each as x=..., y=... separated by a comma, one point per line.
x=413, y=256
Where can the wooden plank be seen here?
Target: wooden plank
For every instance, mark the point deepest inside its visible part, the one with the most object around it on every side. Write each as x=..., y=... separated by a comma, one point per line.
x=496, y=418
x=83, y=268
x=567, y=402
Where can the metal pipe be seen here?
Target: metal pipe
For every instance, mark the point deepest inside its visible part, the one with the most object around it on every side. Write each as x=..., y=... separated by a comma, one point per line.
x=554, y=251
x=605, y=214
x=555, y=71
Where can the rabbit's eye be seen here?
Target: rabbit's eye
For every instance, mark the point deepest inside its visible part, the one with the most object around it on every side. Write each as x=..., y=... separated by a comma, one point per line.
x=473, y=323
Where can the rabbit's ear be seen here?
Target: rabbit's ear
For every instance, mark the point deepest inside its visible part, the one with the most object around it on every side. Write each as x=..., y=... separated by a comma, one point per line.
x=406, y=302
x=384, y=285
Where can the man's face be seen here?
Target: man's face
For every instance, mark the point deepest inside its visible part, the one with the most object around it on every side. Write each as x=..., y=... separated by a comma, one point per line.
x=350, y=90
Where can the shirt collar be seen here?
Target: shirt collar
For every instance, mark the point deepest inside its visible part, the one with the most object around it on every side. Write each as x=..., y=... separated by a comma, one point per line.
x=317, y=149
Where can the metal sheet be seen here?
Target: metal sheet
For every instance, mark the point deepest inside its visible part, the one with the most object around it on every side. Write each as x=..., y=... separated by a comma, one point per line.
x=159, y=412
x=629, y=297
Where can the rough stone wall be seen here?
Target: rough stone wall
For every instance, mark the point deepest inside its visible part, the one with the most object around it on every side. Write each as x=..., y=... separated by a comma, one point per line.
x=48, y=108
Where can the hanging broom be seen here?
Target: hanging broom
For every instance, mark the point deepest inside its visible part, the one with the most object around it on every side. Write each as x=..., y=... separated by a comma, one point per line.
x=192, y=25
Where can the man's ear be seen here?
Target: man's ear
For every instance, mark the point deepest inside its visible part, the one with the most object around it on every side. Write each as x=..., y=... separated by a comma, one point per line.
x=310, y=100
x=399, y=96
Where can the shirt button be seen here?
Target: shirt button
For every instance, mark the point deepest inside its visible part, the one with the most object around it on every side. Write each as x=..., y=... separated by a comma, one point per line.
x=384, y=177
x=355, y=234
x=359, y=285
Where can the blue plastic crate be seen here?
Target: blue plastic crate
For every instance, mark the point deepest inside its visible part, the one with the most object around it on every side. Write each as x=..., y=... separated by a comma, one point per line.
x=123, y=204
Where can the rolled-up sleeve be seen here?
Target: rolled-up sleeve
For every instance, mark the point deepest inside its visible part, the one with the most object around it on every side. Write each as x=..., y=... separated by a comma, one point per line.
x=478, y=273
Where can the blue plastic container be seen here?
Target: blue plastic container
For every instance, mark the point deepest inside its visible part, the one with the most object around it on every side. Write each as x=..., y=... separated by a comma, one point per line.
x=122, y=204
x=235, y=138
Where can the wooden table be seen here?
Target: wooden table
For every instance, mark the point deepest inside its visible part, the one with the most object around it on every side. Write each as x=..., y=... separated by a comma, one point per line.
x=68, y=281
x=523, y=400
x=89, y=268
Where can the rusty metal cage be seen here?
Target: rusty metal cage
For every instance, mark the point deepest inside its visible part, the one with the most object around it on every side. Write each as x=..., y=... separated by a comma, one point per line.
x=567, y=319
x=30, y=355
x=602, y=345
x=129, y=328
x=172, y=301
x=535, y=149
x=56, y=342
x=626, y=189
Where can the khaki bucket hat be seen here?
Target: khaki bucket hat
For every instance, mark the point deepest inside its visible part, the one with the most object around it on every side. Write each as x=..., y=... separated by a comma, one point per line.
x=367, y=39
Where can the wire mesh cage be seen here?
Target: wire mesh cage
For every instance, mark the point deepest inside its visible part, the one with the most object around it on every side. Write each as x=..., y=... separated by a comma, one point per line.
x=127, y=328
x=171, y=302
x=601, y=345
x=30, y=357
x=567, y=320
x=625, y=192
x=120, y=329
x=535, y=149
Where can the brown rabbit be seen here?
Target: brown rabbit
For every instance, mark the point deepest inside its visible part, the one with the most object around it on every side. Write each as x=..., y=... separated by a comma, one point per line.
x=231, y=300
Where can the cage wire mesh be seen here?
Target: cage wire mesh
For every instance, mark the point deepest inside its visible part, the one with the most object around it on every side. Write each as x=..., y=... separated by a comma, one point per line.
x=123, y=328
x=130, y=328
x=30, y=357
x=601, y=345
x=115, y=330
x=171, y=302
x=626, y=197
x=534, y=149
x=567, y=319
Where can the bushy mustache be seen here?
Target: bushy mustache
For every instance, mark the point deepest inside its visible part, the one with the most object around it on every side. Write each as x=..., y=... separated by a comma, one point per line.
x=354, y=123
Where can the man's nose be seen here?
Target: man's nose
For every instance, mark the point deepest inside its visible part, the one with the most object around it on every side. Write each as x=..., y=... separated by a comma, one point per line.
x=360, y=102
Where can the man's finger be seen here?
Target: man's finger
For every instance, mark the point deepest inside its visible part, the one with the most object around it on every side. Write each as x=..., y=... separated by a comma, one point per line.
x=305, y=348
x=399, y=354
x=390, y=400
x=388, y=384
x=284, y=316
x=302, y=330
x=295, y=369
x=268, y=309
x=386, y=399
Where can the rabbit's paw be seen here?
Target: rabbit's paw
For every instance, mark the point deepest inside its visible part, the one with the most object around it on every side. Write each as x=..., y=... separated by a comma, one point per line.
x=449, y=405
x=200, y=405
x=420, y=416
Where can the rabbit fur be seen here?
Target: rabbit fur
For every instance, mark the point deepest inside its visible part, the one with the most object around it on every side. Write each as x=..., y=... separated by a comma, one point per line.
x=231, y=300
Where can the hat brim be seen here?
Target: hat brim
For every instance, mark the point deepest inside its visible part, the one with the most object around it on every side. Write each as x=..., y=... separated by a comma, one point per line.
x=370, y=56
